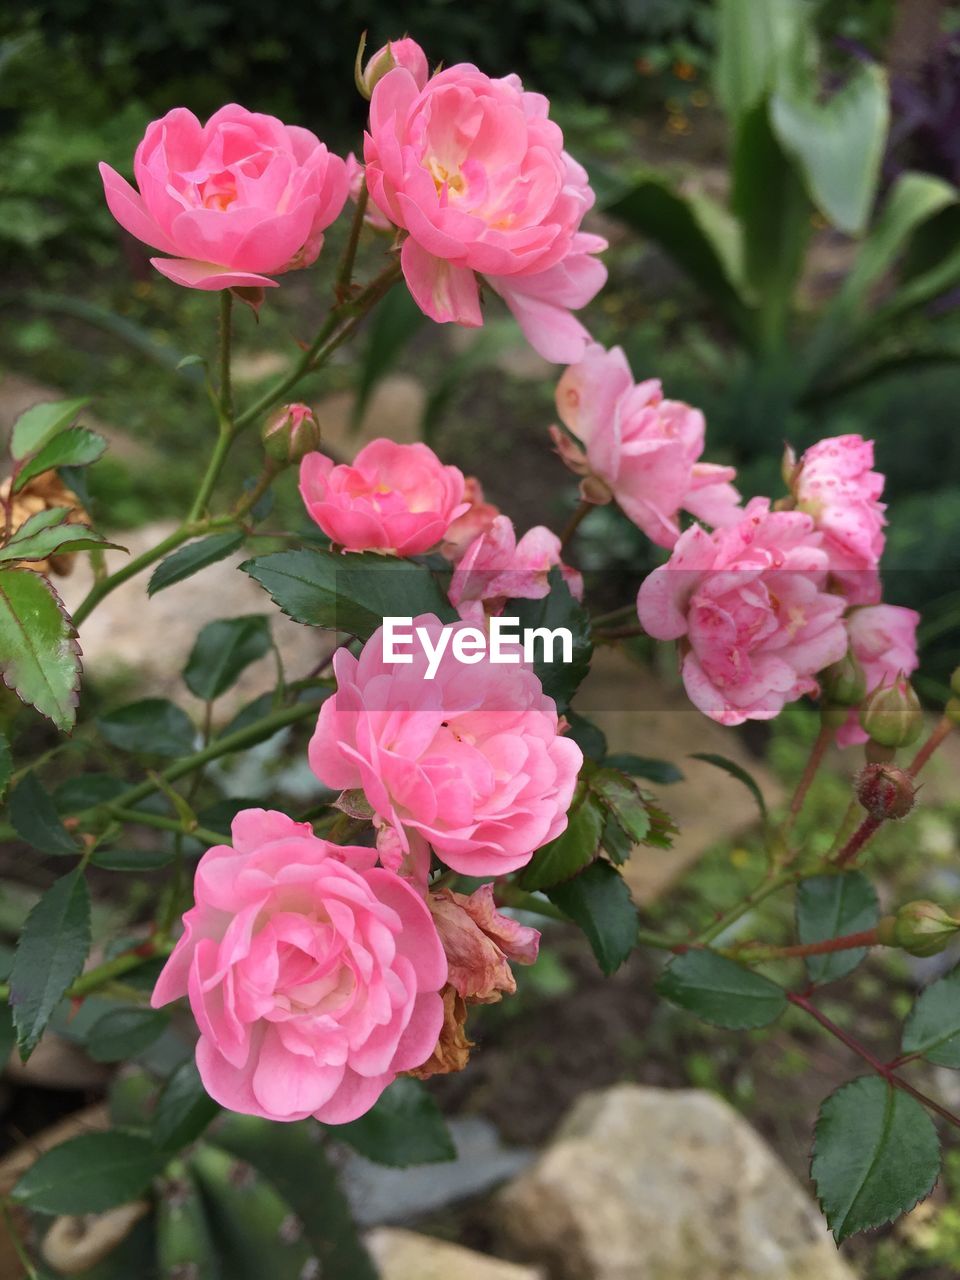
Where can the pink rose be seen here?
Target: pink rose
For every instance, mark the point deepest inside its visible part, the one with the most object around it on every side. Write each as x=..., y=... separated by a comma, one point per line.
x=750, y=605
x=474, y=521
x=470, y=762
x=395, y=497
x=234, y=202
x=883, y=638
x=497, y=568
x=633, y=445
x=834, y=482
x=396, y=53
x=475, y=171
x=478, y=941
x=313, y=974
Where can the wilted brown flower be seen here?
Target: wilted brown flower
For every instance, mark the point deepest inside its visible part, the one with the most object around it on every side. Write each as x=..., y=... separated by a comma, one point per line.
x=43, y=493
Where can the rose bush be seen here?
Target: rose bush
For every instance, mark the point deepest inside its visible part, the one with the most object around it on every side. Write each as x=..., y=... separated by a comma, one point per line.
x=332, y=960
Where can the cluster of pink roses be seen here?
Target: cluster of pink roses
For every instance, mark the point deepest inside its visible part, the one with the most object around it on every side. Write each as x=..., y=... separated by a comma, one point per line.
x=469, y=170
x=318, y=972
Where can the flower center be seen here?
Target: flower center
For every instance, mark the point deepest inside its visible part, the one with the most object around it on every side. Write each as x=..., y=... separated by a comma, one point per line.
x=444, y=178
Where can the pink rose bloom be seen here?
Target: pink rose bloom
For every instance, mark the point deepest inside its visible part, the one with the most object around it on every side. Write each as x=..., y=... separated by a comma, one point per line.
x=470, y=762
x=834, y=482
x=404, y=53
x=395, y=497
x=497, y=568
x=475, y=521
x=883, y=638
x=475, y=171
x=479, y=941
x=233, y=202
x=312, y=973
x=751, y=608
x=633, y=445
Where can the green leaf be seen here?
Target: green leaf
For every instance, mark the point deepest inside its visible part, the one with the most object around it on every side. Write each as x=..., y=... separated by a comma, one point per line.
x=599, y=901
x=754, y=38
x=572, y=849
x=6, y=764
x=77, y=447
x=769, y=199
x=40, y=423
x=86, y=791
x=123, y=1033
x=184, y=1109
x=33, y=816
x=831, y=907
x=39, y=654
x=699, y=235
x=932, y=1028
x=838, y=144
x=290, y=1156
x=589, y=737
x=40, y=537
x=875, y=1155
x=90, y=1173
x=223, y=650
x=351, y=593
x=403, y=1127
x=660, y=771
x=192, y=558
x=50, y=955
x=152, y=726
x=914, y=199
x=720, y=991
x=8, y=1033
x=624, y=800
x=560, y=679
x=736, y=771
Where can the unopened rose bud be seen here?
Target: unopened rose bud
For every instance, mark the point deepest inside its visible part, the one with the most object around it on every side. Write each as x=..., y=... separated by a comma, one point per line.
x=290, y=434
x=891, y=715
x=924, y=928
x=885, y=791
x=395, y=53
x=844, y=684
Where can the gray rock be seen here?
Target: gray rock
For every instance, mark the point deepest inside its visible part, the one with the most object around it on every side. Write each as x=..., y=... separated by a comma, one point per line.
x=378, y=1194
x=405, y=1255
x=655, y=1184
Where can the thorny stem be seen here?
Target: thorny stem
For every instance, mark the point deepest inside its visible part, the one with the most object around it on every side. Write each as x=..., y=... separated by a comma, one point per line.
x=864, y=833
x=814, y=761
x=345, y=269
x=226, y=336
x=583, y=510
x=756, y=952
x=929, y=747
x=883, y=1069
x=338, y=327
x=179, y=827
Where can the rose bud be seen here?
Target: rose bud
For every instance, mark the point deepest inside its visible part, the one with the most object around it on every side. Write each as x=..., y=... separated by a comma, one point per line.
x=844, y=683
x=885, y=791
x=891, y=715
x=290, y=434
x=404, y=53
x=924, y=928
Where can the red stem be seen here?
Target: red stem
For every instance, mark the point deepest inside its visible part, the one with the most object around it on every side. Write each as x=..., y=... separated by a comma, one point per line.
x=817, y=752
x=883, y=1069
x=930, y=746
x=863, y=833
x=847, y=942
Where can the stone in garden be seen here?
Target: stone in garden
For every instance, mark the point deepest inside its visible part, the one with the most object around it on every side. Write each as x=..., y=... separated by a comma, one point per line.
x=405, y=1255
x=657, y=1184
x=378, y=1194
